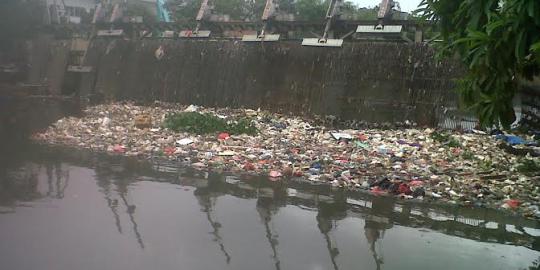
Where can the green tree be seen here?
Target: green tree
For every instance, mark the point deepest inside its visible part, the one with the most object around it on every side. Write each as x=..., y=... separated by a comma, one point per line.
x=237, y=9
x=138, y=9
x=307, y=10
x=499, y=42
x=183, y=10
x=311, y=10
x=287, y=6
x=350, y=11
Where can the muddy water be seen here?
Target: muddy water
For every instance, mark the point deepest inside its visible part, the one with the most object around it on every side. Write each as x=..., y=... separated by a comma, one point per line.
x=63, y=209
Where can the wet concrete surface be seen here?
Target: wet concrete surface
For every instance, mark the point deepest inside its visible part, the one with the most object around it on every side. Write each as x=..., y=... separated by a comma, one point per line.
x=374, y=82
x=66, y=209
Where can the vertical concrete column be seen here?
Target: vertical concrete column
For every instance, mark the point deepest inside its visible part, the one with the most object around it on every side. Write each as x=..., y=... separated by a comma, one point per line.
x=418, y=35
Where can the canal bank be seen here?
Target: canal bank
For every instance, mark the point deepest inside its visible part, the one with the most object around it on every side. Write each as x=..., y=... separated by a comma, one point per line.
x=63, y=209
x=470, y=169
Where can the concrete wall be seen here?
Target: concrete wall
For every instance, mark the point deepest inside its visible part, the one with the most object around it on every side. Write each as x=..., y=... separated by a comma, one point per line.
x=376, y=82
x=530, y=98
x=25, y=104
x=47, y=61
x=366, y=81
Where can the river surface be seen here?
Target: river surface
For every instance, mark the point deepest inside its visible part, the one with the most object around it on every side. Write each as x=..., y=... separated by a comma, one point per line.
x=75, y=210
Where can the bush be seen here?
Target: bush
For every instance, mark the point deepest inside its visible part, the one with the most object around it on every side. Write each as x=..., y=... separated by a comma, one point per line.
x=499, y=43
x=529, y=167
x=468, y=155
x=445, y=139
x=194, y=122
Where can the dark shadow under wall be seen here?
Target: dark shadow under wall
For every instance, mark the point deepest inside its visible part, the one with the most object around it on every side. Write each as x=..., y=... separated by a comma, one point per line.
x=23, y=116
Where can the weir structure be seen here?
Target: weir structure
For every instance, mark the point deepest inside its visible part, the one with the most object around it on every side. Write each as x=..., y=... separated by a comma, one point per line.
x=362, y=81
x=371, y=81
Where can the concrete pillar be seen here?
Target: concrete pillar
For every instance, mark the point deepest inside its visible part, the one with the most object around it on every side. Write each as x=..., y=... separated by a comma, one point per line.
x=418, y=35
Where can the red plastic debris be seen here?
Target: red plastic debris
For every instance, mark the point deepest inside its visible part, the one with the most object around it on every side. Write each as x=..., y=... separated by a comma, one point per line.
x=377, y=191
x=513, y=203
x=248, y=166
x=169, y=151
x=223, y=136
x=119, y=149
x=416, y=183
x=362, y=137
x=404, y=189
x=275, y=174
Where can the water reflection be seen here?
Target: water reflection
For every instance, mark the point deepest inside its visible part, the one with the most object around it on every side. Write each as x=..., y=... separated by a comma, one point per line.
x=113, y=180
x=26, y=184
x=47, y=175
x=375, y=227
x=267, y=207
x=207, y=202
x=327, y=216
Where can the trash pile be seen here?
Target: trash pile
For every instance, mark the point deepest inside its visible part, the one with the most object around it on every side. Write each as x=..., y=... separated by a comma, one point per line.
x=463, y=168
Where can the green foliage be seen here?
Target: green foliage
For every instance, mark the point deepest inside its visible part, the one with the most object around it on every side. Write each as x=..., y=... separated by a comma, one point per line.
x=138, y=9
x=468, y=155
x=452, y=142
x=439, y=137
x=194, y=122
x=239, y=9
x=529, y=167
x=485, y=165
x=315, y=10
x=363, y=13
x=311, y=9
x=307, y=10
x=445, y=139
x=186, y=11
x=499, y=41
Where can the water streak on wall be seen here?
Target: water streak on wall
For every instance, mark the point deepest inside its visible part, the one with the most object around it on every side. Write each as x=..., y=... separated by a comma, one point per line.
x=367, y=81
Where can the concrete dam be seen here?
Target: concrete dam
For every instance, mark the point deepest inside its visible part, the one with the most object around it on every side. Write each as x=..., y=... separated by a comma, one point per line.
x=365, y=81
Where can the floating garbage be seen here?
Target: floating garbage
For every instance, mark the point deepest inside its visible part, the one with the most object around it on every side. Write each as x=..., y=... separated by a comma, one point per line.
x=514, y=140
x=227, y=153
x=141, y=121
x=275, y=174
x=185, y=141
x=470, y=167
x=191, y=108
x=248, y=166
x=169, y=151
x=119, y=149
x=224, y=136
x=512, y=204
x=340, y=136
